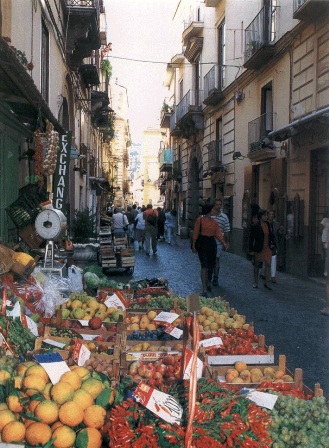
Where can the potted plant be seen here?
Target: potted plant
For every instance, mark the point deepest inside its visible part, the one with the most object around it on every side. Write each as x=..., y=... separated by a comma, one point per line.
x=83, y=236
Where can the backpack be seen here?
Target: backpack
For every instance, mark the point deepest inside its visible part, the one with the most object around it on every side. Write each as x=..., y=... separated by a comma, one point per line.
x=151, y=219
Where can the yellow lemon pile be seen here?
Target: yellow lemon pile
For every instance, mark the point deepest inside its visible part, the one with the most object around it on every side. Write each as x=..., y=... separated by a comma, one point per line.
x=37, y=411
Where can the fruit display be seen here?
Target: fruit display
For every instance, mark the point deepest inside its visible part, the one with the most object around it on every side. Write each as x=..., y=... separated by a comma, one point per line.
x=92, y=406
x=37, y=411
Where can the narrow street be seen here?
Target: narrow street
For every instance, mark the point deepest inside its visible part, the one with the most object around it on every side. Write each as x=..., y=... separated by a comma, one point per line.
x=288, y=316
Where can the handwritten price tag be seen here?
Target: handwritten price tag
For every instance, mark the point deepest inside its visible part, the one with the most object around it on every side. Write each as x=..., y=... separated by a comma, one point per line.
x=174, y=331
x=161, y=404
x=211, y=342
x=263, y=399
x=115, y=301
x=27, y=322
x=199, y=366
x=80, y=353
x=166, y=318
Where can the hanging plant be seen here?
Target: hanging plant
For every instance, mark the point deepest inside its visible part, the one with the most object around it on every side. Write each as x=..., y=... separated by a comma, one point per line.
x=106, y=68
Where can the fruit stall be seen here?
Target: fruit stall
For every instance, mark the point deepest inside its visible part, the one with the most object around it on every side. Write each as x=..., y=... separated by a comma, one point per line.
x=135, y=365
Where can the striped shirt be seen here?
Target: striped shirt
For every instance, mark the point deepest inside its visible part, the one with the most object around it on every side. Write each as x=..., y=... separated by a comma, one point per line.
x=223, y=222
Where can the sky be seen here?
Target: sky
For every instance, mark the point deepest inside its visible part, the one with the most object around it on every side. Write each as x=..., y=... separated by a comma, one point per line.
x=142, y=30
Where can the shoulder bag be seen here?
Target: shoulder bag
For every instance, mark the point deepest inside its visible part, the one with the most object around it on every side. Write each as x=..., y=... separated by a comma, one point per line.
x=197, y=244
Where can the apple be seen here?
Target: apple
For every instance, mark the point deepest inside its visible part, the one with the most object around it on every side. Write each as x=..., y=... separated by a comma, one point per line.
x=95, y=323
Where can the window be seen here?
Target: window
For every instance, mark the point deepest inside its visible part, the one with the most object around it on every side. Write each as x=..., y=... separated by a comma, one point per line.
x=219, y=142
x=267, y=109
x=45, y=62
x=181, y=90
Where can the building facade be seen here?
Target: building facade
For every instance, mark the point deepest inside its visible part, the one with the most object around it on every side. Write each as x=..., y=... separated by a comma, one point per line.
x=249, y=119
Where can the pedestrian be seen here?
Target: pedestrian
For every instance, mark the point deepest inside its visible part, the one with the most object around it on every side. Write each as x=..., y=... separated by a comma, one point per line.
x=161, y=223
x=325, y=242
x=275, y=227
x=261, y=243
x=222, y=220
x=119, y=223
x=325, y=310
x=131, y=215
x=139, y=231
x=171, y=227
x=151, y=229
x=205, y=233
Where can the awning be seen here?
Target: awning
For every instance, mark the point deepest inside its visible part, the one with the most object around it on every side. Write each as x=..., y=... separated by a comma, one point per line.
x=18, y=91
x=293, y=128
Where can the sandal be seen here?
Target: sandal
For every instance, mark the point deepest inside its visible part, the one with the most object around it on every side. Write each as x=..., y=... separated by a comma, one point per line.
x=254, y=285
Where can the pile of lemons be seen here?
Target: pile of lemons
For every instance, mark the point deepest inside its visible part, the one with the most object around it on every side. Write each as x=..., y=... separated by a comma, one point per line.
x=67, y=413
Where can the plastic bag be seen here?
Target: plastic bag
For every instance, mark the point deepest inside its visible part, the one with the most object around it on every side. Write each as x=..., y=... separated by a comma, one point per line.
x=75, y=277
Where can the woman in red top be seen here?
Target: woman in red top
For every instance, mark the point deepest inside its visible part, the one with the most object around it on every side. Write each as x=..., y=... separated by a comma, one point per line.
x=206, y=231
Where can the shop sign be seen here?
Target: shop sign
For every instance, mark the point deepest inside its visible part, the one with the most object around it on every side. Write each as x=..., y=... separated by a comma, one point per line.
x=61, y=175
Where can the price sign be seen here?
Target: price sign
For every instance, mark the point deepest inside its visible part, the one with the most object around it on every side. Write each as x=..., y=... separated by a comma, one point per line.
x=165, y=318
x=163, y=405
x=263, y=399
x=174, y=331
x=15, y=312
x=84, y=323
x=80, y=353
x=199, y=366
x=27, y=322
x=211, y=342
x=54, y=343
x=116, y=300
x=53, y=364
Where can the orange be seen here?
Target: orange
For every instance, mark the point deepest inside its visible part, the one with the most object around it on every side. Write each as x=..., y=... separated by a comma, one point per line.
x=6, y=416
x=70, y=414
x=72, y=378
x=88, y=438
x=93, y=387
x=64, y=437
x=34, y=383
x=94, y=416
x=13, y=432
x=38, y=433
x=61, y=392
x=83, y=399
x=47, y=411
x=14, y=403
x=81, y=371
x=37, y=370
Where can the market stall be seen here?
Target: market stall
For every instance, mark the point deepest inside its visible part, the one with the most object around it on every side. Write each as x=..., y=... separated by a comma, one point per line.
x=109, y=364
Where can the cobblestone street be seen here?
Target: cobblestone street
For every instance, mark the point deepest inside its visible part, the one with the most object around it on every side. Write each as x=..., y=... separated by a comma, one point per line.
x=288, y=316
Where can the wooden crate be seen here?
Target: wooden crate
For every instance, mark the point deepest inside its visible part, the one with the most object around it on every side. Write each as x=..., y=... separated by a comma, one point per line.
x=155, y=351
x=126, y=262
x=127, y=252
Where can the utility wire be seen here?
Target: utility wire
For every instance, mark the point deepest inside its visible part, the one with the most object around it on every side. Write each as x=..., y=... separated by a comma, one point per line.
x=171, y=63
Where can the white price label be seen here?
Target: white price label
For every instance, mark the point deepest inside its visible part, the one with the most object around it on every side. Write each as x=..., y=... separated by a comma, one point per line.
x=54, y=343
x=114, y=301
x=80, y=353
x=31, y=325
x=211, y=342
x=15, y=312
x=199, y=366
x=263, y=399
x=174, y=331
x=53, y=364
x=165, y=317
x=163, y=405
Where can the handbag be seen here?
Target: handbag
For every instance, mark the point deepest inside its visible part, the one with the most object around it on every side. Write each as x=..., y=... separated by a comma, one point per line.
x=197, y=244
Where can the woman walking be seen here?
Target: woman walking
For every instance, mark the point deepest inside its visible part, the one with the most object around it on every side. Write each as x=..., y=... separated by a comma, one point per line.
x=205, y=232
x=261, y=243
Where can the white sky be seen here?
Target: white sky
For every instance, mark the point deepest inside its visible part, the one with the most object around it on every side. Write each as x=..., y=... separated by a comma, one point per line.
x=143, y=30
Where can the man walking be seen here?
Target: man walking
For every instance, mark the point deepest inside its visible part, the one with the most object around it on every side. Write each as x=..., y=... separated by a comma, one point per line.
x=222, y=220
x=151, y=229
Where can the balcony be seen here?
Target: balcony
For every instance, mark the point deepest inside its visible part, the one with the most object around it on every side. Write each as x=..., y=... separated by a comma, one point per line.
x=82, y=21
x=259, y=47
x=165, y=160
x=212, y=83
x=307, y=10
x=192, y=29
x=189, y=115
x=214, y=155
x=99, y=108
x=261, y=148
x=174, y=129
x=89, y=74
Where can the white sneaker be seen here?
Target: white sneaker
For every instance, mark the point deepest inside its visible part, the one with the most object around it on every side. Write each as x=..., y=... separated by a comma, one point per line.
x=325, y=274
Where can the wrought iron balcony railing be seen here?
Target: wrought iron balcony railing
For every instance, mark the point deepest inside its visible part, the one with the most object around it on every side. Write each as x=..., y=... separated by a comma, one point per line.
x=258, y=129
x=192, y=101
